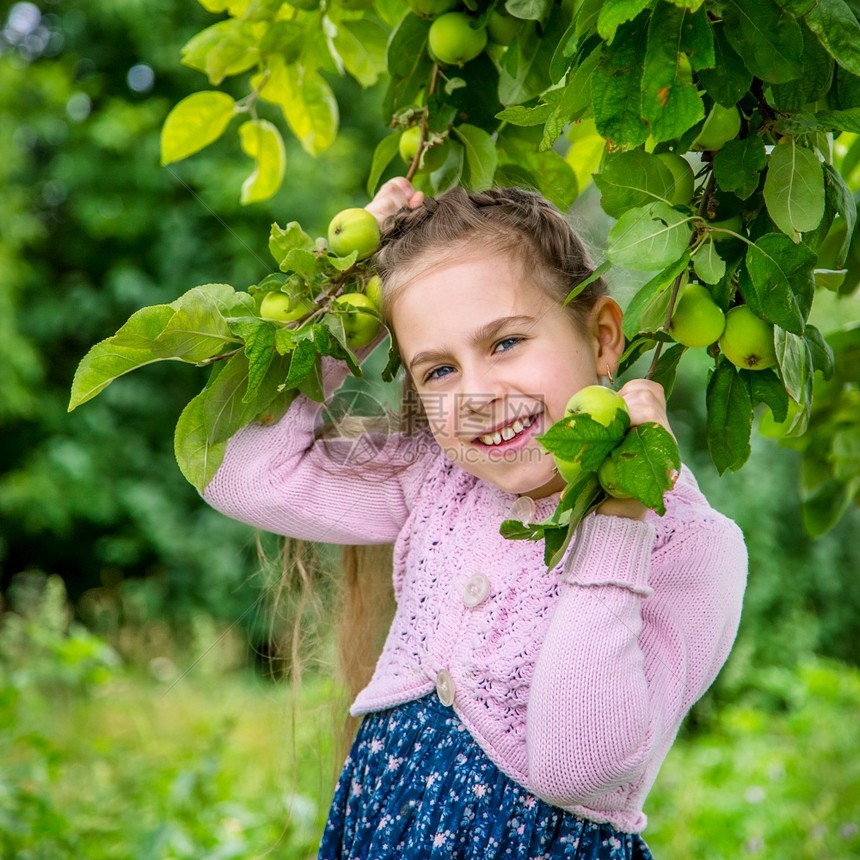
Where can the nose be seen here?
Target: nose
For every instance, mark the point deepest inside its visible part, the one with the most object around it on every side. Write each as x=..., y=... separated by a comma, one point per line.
x=478, y=400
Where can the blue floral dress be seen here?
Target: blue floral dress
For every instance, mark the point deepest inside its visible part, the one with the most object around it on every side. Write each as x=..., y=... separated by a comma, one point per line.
x=416, y=785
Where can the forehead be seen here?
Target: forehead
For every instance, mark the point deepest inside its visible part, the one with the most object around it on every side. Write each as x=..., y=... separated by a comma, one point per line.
x=443, y=302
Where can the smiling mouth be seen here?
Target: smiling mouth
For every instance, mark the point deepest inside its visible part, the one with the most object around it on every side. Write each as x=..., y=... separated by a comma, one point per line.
x=510, y=431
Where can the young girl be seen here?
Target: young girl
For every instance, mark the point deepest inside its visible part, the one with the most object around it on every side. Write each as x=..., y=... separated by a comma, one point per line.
x=514, y=712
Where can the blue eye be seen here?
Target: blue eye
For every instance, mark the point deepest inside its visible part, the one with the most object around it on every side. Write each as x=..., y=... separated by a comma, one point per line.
x=432, y=373
x=510, y=340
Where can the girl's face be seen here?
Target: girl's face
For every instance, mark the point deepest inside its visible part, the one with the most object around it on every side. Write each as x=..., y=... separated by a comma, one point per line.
x=495, y=360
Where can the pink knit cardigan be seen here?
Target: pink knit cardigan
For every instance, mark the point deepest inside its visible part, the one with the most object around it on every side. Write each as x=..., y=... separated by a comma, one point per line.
x=573, y=681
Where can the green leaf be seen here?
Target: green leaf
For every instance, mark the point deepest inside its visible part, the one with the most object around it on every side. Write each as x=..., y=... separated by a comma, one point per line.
x=194, y=123
x=670, y=101
x=223, y=410
x=794, y=189
x=109, y=359
x=730, y=416
x=597, y=273
x=632, y=179
x=613, y=13
x=697, y=40
x=580, y=439
x=766, y=387
x=385, y=151
x=729, y=79
x=143, y=327
x=667, y=366
x=307, y=102
x=262, y=141
x=813, y=84
x=196, y=331
x=226, y=48
x=576, y=97
x=283, y=240
x=837, y=29
x=547, y=171
x=708, y=264
x=362, y=46
x=197, y=457
x=409, y=64
x=780, y=273
x=737, y=166
x=481, y=156
x=302, y=362
x=827, y=504
x=648, y=238
x=647, y=309
x=768, y=41
x=792, y=355
x=524, y=67
x=820, y=352
x=533, y=10
x=843, y=120
x=616, y=87
x=843, y=202
x=259, y=337
x=644, y=460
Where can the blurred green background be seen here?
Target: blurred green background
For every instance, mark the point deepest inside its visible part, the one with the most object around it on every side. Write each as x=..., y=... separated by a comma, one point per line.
x=137, y=715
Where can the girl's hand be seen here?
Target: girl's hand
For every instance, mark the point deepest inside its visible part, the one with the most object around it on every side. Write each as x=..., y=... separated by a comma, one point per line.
x=646, y=402
x=392, y=197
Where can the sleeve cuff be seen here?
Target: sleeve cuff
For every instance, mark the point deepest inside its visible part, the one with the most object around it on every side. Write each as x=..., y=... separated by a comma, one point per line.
x=610, y=550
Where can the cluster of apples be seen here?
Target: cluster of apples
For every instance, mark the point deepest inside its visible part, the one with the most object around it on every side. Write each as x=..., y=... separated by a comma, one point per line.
x=350, y=231
x=745, y=339
x=603, y=405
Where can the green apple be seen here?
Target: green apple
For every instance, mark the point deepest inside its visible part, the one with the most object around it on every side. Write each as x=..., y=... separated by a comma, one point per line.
x=502, y=28
x=722, y=125
x=360, y=322
x=607, y=474
x=453, y=41
x=433, y=158
x=600, y=403
x=682, y=174
x=431, y=8
x=283, y=307
x=698, y=320
x=353, y=230
x=568, y=469
x=373, y=290
x=747, y=340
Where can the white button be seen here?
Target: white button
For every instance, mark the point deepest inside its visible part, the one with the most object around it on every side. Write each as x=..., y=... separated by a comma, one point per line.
x=476, y=589
x=523, y=510
x=445, y=687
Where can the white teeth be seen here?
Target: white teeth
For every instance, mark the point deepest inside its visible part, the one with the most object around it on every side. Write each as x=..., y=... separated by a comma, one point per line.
x=506, y=433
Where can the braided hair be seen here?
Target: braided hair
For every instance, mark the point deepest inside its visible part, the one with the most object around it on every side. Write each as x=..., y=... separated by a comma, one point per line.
x=514, y=221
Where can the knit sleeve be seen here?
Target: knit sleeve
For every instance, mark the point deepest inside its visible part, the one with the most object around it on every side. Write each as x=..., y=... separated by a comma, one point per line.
x=644, y=622
x=281, y=479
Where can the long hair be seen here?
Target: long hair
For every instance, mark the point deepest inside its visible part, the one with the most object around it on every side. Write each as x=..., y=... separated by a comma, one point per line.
x=508, y=221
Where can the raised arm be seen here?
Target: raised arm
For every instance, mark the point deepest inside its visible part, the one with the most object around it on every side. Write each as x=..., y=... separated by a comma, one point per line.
x=349, y=491
x=641, y=629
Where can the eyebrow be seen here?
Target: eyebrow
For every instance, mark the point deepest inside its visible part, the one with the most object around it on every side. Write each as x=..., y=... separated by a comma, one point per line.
x=484, y=333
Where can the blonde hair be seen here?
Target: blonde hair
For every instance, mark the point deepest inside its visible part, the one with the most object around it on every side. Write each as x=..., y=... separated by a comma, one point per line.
x=512, y=221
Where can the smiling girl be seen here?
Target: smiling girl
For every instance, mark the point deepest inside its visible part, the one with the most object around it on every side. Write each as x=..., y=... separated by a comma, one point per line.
x=514, y=712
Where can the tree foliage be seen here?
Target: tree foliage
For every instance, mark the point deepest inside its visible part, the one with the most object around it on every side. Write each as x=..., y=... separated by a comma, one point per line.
x=754, y=97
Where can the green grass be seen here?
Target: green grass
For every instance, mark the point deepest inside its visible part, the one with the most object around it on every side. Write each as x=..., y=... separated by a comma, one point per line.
x=101, y=760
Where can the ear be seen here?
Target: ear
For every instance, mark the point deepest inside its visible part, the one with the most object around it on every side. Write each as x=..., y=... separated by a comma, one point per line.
x=609, y=338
